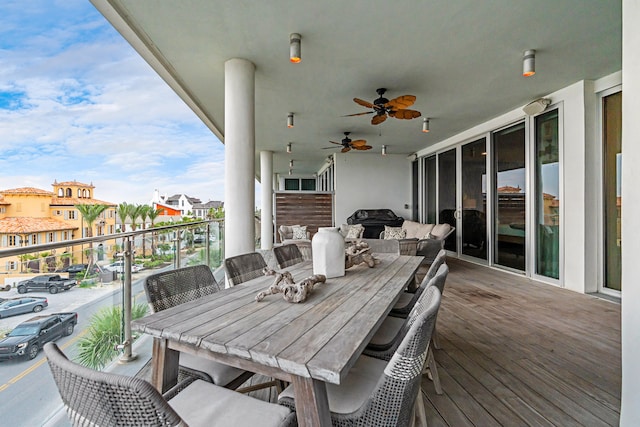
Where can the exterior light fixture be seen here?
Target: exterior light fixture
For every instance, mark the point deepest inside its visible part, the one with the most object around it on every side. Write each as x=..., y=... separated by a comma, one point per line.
x=290, y=163
x=529, y=63
x=425, y=125
x=290, y=120
x=384, y=150
x=289, y=148
x=295, y=55
x=290, y=171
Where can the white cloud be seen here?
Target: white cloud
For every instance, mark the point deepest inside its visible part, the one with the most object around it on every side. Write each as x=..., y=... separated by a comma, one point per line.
x=84, y=106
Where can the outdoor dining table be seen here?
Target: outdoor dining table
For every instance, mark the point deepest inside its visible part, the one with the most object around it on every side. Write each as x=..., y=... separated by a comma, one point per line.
x=307, y=344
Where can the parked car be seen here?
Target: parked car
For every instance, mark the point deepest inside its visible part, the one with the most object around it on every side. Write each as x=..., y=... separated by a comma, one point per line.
x=47, y=282
x=118, y=267
x=13, y=306
x=74, y=268
x=28, y=337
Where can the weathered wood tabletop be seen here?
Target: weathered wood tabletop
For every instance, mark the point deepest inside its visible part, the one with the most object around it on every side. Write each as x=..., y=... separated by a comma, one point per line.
x=308, y=344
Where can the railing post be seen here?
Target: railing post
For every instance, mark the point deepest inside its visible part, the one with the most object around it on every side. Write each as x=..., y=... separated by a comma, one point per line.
x=207, y=246
x=177, y=252
x=127, y=355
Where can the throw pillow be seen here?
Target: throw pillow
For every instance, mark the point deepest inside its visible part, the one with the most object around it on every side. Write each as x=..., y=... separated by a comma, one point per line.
x=394, y=232
x=299, y=232
x=354, y=231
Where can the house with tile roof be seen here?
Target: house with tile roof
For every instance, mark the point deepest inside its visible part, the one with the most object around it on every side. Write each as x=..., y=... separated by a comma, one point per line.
x=32, y=216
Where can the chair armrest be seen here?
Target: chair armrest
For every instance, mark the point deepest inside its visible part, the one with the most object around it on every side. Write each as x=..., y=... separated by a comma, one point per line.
x=408, y=246
x=429, y=248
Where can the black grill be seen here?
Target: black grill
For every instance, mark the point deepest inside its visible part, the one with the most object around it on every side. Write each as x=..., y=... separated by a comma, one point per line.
x=374, y=221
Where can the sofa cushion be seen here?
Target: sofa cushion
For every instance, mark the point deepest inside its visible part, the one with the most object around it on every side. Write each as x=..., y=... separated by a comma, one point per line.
x=287, y=231
x=351, y=231
x=439, y=231
x=416, y=230
x=394, y=233
x=299, y=232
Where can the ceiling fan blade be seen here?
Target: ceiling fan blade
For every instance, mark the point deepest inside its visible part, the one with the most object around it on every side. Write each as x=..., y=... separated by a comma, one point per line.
x=358, y=143
x=345, y=149
x=363, y=147
x=379, y=118
x=359, y=114
x=363, y=102
x=328, y=148
x=401, y=102
x=333, y=142
x=405, y=114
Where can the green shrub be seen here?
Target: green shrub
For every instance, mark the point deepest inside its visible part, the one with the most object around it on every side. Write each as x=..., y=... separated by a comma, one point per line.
x=98, y=346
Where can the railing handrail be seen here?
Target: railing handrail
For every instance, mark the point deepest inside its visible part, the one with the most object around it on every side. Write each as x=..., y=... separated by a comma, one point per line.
x=66, y=243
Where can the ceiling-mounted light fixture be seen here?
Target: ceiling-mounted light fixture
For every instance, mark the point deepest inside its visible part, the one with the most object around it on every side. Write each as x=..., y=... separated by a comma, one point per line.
x=384, y=150
x=295, y=55
x=290, y=171
x=425, y=125
x=289, y=148
x=290, y=163
x=529, y=63
x=290, y=120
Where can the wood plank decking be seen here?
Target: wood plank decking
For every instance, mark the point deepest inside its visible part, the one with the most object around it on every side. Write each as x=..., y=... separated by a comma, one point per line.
x=517, y=352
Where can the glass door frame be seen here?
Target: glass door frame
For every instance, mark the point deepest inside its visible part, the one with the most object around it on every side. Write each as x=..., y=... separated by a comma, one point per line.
x=600, y=192
x=531, y=202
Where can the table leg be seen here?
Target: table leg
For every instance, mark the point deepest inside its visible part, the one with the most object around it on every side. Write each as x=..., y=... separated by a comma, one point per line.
x=164, y=374
x=312, y=405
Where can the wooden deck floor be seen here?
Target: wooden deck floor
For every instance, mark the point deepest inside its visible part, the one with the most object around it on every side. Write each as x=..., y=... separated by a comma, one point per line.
x=516, y=352
x=519, y=353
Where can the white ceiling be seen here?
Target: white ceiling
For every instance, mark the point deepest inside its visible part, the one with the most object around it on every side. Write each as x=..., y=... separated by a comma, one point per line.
x=461, y=58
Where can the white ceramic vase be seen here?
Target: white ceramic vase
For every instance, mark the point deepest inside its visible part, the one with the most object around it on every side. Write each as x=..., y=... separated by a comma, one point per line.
x=327, y=247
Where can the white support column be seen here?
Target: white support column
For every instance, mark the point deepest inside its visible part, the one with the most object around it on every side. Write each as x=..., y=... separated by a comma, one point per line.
x=239, y=143
x=266, y=221
x=630, y=411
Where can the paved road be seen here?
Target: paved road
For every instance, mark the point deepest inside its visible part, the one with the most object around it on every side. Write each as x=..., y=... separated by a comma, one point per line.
x=28, y=395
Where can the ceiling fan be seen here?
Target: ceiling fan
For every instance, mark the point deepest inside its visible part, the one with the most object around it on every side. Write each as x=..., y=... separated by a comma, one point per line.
x=347, y=144
x=382, y=107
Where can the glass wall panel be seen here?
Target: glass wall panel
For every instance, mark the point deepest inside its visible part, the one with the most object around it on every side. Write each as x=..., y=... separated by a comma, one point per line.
x=612, y=129
x=447, y=194
x=474, y=199
x=547, y=179
x=510, y=200
x=430, y=189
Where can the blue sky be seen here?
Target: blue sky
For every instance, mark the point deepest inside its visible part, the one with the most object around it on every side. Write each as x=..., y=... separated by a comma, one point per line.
x=77, y=103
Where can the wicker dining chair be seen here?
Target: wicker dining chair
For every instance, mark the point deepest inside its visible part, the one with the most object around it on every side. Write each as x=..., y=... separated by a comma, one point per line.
x=393, y=329
x=407, y=299
x=287, y=255
x=380, y=393
x=94, y=398
x=241, y=268
x=389, y=246
x=174, y=287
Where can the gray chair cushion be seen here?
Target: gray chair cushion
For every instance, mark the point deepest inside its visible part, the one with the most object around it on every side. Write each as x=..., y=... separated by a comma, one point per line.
x=204, y=404
x=221, y=374
x=405, y=299
x=387, y=334
x=357, y=387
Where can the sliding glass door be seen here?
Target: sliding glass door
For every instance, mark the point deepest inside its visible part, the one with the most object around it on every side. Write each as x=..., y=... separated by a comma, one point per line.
x=474, y=199
x=447, y=208
x=510, y=201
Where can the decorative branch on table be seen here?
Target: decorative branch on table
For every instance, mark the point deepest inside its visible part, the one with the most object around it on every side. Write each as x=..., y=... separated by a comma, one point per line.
x=291, y=291
x=357, y=254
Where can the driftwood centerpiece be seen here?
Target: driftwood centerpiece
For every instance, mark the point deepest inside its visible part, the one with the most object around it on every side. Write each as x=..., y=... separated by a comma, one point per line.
x=285, y=285
x=358, y=253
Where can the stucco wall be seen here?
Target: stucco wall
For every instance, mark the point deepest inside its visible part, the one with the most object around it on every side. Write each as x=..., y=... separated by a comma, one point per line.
x=371, y=181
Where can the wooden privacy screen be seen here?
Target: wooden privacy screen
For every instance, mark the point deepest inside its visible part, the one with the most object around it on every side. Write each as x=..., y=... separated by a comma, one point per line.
x=311, y=209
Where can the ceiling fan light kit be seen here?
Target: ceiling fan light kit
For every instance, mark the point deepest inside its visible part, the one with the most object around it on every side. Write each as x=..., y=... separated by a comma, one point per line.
x=529, y=63
x=295, y=54
x=290, y=120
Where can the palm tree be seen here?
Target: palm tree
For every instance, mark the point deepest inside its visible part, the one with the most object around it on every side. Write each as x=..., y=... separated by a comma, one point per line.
x=123, y=212
x=153, y=214
x=89, y=214
x=144, y=214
